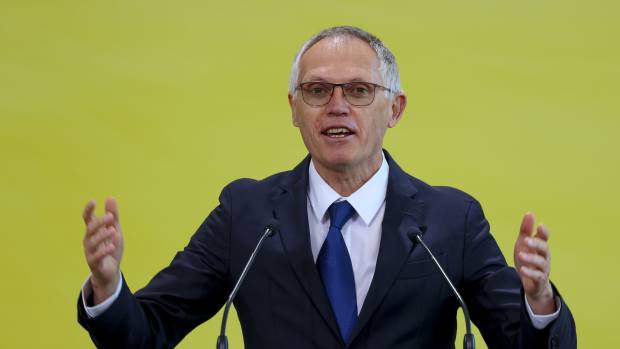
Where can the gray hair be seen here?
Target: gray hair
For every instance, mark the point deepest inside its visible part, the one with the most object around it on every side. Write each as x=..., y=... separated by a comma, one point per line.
x=387, y=61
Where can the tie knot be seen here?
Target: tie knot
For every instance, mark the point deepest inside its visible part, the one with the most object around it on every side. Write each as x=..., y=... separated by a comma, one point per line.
x=340, y=213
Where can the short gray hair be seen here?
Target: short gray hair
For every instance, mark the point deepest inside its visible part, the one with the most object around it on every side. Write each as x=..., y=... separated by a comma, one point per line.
x=387, y=62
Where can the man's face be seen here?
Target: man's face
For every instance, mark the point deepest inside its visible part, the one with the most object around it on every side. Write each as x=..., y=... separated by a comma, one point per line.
x=343, y=60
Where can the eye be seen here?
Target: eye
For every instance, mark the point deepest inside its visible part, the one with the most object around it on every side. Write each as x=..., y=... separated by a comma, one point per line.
x=359, y=89
x=316, y=88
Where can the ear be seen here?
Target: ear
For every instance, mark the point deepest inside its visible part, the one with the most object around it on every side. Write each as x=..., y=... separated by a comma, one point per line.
x=398, y=107
x=291, y=103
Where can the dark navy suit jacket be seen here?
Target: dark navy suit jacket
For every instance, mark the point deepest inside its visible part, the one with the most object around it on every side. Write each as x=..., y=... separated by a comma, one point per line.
x=282, y=303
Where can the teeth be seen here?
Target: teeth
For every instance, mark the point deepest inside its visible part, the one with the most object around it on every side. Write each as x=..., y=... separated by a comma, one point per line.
x=337, y=131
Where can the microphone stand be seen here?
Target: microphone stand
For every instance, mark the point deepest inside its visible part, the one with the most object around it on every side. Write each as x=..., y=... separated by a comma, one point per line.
x=222, y=340
x=469, y=342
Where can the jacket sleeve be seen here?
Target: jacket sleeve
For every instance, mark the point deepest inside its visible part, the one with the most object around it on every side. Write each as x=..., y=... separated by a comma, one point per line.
x=180, y=297
x=494, y=295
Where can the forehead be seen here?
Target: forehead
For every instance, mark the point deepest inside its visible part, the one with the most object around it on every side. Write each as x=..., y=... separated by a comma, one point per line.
x=340, y=59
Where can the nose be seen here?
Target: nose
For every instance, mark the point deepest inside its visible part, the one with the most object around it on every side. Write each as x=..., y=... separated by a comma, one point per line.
x=338, y=105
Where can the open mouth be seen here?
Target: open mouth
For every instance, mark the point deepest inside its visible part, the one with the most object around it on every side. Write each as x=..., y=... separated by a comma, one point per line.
x=337, y=132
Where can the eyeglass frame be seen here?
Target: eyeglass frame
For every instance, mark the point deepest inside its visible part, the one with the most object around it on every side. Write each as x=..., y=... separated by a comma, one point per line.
x=374, y=91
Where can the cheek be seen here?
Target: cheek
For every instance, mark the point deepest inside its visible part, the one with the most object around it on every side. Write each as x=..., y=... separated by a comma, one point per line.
x=376, y=124
x=307, y=123
x=376, y=133
x=297, y=116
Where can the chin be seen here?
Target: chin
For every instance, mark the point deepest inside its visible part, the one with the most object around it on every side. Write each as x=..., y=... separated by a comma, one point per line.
x=339, y=160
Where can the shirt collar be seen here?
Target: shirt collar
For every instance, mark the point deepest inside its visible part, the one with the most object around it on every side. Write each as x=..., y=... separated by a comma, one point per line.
x=366, y=201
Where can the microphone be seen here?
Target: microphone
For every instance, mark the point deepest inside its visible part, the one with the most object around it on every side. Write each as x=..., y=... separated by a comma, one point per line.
x=415, y=235
x=270, y=229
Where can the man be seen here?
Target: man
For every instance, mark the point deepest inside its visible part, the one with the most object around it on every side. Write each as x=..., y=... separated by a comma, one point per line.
x=341, y=271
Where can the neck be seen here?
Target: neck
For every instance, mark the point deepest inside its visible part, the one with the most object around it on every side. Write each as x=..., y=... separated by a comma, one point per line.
x=347, y=180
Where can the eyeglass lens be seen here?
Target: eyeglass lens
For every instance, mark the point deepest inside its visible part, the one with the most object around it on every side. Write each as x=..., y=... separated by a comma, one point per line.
x=320, y=93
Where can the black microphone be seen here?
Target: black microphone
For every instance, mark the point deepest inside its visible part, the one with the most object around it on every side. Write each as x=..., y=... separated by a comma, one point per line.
x=271, y=228
x=415, y=235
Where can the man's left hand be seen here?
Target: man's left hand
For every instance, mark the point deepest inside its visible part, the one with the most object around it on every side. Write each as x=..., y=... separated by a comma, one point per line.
x=533, y=263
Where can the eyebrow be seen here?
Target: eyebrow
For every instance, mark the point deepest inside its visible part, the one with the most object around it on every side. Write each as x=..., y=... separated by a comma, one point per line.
x=320, y=79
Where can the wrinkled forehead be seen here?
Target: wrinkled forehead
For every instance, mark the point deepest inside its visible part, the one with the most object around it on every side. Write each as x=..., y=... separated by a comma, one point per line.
x=340, y=59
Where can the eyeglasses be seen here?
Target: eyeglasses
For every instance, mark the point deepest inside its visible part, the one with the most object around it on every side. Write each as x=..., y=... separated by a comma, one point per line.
x=357, y=93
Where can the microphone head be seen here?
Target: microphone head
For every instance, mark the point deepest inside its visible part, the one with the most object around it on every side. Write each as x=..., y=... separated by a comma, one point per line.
x=413, y=233
x=273, y=226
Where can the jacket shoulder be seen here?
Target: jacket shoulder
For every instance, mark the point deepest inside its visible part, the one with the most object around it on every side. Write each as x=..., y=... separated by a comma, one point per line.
x=250, y=187
x=441, y=192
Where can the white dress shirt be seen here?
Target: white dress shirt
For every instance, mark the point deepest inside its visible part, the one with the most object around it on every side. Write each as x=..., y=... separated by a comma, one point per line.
x=361, y=233
x=362, y=236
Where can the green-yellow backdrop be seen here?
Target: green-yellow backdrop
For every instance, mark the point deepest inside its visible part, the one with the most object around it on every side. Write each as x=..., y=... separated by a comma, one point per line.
x=161, y=103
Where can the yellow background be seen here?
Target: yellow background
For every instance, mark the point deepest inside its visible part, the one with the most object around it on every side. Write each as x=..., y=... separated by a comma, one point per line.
x=161, y=103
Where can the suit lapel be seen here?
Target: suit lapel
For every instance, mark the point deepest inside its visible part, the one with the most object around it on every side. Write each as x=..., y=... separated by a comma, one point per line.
x=291, y=211
x=402, y=211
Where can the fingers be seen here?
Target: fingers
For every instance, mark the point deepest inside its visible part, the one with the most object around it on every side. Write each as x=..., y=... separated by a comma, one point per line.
x=532, y=252
x=104, y=250
x=112, y=207
x=535, y=253
x=536, y=275
x=97, y=222
x=89, y=211
x=538, y=245
x=101, y=233
x=528, y=242
x=534, y=261
x=103, y=236
x=94, y=223
x=105, y=242
x=542, y=232
x=527, y=224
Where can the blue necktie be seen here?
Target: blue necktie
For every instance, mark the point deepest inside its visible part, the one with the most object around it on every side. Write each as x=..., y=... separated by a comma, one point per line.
x=334, y=265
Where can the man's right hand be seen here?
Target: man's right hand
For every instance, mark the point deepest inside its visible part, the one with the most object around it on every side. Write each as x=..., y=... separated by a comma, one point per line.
x=103, y=248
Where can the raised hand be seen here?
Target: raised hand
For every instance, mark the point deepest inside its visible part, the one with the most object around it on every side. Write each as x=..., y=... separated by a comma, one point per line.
x=103, y=248
x=533, y=263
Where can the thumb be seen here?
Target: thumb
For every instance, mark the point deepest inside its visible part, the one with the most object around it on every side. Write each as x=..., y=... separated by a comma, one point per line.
x=527, y=224
x=112, y=207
